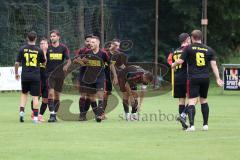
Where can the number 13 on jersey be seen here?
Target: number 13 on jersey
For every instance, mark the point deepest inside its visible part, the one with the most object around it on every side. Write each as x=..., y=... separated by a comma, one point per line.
x=31, y=59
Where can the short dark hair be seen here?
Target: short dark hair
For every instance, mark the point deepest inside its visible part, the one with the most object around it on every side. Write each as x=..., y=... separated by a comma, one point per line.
x=55, y=31
x=96, y=37
x=116, y=40
x=182, y=37
x=32, y=36
x=88, y=36
x=43, y=39
x=197, y=34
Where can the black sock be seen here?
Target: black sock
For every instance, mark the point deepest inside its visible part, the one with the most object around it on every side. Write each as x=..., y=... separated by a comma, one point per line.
x=100, y=107
x=22, y=109
x=105, y=101
x=181, y=109
x=95, y=108
x=134, y=106
x=87, y=105
x=191, y=114
x=43, y=108
x=56, y=105
x=35, y=112
x=205, y=113
x=125, y=106
x=82, y=102
x=51, y=105
x=32, y=105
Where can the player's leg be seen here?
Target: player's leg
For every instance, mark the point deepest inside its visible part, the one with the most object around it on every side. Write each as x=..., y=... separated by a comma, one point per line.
x=204, y=104
x=180, y=93
x=194, y=88
x=57, y=93
x=35, y=108
x=126, y=105
x=82, y=103
x=35, y=92
x=56, y=101
x=93, y=99
x=23, y=99
x=44, y=104
x=107, y=92
x=51, y=105
x=134, y=115
x=100, y=96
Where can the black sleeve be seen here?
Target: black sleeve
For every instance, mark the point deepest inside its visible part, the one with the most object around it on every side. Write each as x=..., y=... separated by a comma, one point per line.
x=19, y=56
x=41, y=57
x=211, y=55
x=184, y=54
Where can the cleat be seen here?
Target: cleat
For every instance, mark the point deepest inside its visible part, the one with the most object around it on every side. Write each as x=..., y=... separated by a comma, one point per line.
x=205, y=128
x=190, y=129
x=21, y=119
x=127, y=117
x=52, y=118
x=183, y=122
x=134, y=117
x=82, y=117
x=40, y=118
x=98, y=119
x=35, y=120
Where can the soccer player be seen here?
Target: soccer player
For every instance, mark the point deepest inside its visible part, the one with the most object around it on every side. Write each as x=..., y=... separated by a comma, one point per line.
x=30, y=56
x=84, y=101
x=114, y=56
x=198, y=57
x=131, y=76
x=43, y=82
x=44, y=90
x=180, y=78
x=56, y=54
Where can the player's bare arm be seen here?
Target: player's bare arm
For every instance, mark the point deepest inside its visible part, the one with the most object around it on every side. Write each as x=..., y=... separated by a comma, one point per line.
x=17, y=76
x=216, y=73
x=65, y=68
x=177, y=62
x=113, y=70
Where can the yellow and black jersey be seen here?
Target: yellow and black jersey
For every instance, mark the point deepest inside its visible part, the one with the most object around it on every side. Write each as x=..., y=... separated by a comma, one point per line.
x=56, y=57
x=198, y=56
x=180, y=72
x=30, y=56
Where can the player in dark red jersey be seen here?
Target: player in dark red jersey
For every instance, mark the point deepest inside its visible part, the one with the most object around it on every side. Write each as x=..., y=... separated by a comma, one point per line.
x=30, y=57
x=115, y=60
x=198, y=57
x=84, y=101
x=180, y=78
x=56, y=54
x=131, y=76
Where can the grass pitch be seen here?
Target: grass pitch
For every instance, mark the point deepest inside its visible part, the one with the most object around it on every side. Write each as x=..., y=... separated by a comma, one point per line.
x=117, y=139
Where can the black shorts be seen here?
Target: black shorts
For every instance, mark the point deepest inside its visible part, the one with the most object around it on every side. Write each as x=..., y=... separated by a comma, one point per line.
x=55, y=83
x=92, y=88
x=180, y=90
x=31, y=86
x=198, y=87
